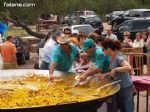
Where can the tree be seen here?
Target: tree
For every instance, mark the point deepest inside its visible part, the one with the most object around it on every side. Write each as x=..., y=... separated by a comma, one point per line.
x=17, y=22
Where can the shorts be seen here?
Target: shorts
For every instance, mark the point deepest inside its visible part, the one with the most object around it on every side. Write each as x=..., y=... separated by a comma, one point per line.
x=9, y=65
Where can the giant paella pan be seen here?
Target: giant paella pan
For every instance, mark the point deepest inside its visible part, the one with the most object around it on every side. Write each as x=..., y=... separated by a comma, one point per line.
x=25, y=91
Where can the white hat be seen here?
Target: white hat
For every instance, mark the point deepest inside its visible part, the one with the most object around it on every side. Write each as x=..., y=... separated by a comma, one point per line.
x=63, y=39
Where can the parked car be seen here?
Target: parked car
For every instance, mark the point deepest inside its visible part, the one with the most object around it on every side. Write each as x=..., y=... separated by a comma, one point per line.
x=132, y=26
x=71, y=18
x=85, y=28
x=93, y=20
x=130, y=14
x=23, y=50
x=110, y=17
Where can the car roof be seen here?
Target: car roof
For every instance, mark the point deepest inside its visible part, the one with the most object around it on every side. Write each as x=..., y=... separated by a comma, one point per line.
x=81, y=25
x=88, y=16
x=136, y=19
x=118, y=11
x=62, y=28
x=138, y=10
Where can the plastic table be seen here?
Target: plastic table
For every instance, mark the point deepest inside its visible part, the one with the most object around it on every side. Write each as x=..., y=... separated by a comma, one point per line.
x=141, y=83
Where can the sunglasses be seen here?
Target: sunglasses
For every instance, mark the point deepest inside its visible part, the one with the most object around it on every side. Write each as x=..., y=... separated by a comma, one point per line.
x=67, y=33
x=125, y=35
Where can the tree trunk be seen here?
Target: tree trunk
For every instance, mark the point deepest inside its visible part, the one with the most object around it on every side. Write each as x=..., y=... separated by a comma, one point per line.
x=16, y=21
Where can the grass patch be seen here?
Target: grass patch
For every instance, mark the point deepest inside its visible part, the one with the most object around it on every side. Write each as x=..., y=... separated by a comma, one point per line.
x=16, y=32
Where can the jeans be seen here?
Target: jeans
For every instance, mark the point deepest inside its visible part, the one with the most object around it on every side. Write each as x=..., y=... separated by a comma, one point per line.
x=44, y=65
x=122, y=100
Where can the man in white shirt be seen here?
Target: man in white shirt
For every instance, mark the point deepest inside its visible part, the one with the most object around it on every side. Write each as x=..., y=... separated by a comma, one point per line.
x=110, y=34
x=49, y=46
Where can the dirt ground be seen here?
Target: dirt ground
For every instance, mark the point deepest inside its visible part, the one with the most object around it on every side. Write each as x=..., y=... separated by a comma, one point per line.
x=29, y=63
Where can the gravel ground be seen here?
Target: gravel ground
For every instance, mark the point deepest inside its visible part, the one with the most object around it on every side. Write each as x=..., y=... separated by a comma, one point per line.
x=30, y=63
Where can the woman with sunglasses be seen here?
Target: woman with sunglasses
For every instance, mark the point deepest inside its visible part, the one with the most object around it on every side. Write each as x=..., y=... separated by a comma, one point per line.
x=127, y=42
x=120, y=69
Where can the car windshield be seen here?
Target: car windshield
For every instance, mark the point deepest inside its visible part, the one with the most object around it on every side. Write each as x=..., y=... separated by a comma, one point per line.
x=126, y=26
x=92, y=19
x=72, y=15
x=126, y=13
x=80, y=13
x=117, y=13
x=90, y=13
x=84, y=29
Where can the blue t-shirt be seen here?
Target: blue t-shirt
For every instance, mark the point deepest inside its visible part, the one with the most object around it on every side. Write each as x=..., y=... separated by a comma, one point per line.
x=100, y=59
x=63, y=61
x=123, y=76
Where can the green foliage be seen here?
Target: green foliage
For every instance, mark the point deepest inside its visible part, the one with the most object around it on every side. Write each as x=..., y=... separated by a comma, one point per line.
x=30, y=15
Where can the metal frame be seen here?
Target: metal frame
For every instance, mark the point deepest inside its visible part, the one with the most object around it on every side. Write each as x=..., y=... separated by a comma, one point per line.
x=139, y=63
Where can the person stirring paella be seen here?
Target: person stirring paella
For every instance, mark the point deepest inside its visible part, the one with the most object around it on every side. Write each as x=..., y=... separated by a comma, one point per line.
x=120, y=69
x=96, y=56
x=63, y=56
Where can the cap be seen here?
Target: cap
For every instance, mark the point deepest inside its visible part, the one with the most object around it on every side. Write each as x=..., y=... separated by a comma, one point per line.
x=87, y=43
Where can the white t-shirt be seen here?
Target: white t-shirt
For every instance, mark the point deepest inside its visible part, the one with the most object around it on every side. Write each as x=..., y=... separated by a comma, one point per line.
x=112, y=36
x=138, y=43
x=47, y=50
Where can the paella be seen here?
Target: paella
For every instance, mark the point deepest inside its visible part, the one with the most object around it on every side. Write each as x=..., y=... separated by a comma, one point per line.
x=30, y=91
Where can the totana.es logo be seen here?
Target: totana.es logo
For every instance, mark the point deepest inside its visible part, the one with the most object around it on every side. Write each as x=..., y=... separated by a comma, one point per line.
x=10, y=4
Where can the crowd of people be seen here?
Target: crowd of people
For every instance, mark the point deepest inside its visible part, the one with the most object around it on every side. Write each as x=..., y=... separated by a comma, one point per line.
x=103, y=52
x=142, y=40
x=63, y=50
